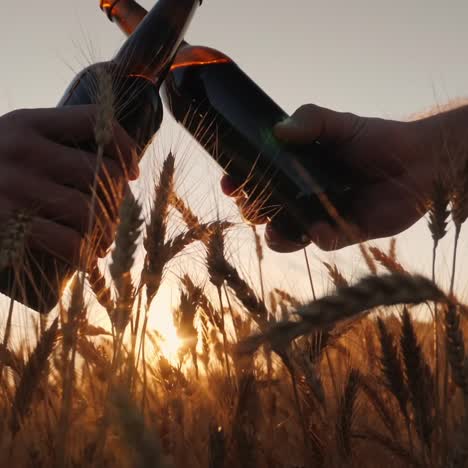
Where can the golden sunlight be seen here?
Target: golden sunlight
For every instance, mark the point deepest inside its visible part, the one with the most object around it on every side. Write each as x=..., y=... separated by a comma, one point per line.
x=161, y=320
x=171, y=343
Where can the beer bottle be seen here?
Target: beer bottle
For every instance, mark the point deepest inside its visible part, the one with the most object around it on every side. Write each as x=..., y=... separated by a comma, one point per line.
x=233, y=119
x=137, y=71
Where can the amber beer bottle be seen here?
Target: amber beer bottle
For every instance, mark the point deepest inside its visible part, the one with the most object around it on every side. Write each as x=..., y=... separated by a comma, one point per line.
x=137, y=70
x=233, y=119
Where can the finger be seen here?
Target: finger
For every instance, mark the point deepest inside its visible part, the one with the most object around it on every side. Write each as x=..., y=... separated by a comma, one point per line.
x=311, y=123
x=74, y=167
x=229, y=186
x=61, y=205
x=46, y=236
x=280, y=243
x=377, y=211
x=386, y=208
x=124, y=149
x=73, y=123
x=76, y=125
x=329, y=238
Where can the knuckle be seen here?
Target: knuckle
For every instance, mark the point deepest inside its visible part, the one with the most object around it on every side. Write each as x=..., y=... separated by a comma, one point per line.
x=16, y=141
x=307, y=109
x=16, y=117
x=352, y=121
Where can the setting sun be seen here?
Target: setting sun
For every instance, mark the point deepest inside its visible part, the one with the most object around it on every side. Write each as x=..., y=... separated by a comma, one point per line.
x=171, y=343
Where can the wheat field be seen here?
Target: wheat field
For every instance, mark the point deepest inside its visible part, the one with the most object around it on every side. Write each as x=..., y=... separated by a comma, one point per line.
x=258, y=379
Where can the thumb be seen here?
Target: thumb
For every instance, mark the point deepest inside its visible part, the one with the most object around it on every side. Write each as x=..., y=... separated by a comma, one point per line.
x=312, y=123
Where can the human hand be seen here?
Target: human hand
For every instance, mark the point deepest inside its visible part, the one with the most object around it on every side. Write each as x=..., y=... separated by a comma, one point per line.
x=43, y=171
x=392, y=176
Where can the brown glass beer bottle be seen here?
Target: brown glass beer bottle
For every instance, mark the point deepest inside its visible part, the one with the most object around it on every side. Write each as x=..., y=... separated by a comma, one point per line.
x=233, y=119
x=137, y=71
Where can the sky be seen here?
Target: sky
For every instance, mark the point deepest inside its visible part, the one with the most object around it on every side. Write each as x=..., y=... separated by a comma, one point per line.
x=372, y=58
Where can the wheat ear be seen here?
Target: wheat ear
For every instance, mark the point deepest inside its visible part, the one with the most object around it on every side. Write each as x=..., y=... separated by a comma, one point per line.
x=32, y=373
x=386, y=260
x=346, y=413
x=347, y=303
x=154, y=241
x=419, y=379
x=456, y=348
x=391, y=368
x=123, y=258
x=335, y=275
x=100, y=289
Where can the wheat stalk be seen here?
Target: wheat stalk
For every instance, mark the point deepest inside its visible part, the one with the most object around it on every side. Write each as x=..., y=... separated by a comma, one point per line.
x=156, y=230
x=260, y=258
x=387, y=261
x=459, y=198
x=348, y=303
x=221, y=270
x=105, y=100
x=392, y=369
x=201, y=232
x=32, y=374
x=287, y=297
x=184, y=320
x=189, y=217
x=456, y=348
x=123, y=258
x=335, y=275
x=100, y=289
x=439, y=210
x=146, y=445
x=419, y=379
x=346, y=413
x=9, y=359
x=377, y=400
x=390, y=444
x=216, y=262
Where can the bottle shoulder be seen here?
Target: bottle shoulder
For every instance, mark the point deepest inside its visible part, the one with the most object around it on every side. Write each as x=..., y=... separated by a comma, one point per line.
x=198, y=55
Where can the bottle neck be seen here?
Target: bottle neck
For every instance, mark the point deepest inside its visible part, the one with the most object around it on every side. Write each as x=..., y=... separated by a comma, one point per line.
x=154, y=37
x=127, y=14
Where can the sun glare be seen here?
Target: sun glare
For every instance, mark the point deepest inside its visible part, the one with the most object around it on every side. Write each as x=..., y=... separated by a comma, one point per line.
x=170, y=344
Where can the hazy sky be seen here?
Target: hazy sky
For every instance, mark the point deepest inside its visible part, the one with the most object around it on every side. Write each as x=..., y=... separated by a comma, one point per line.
x=376, y=58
